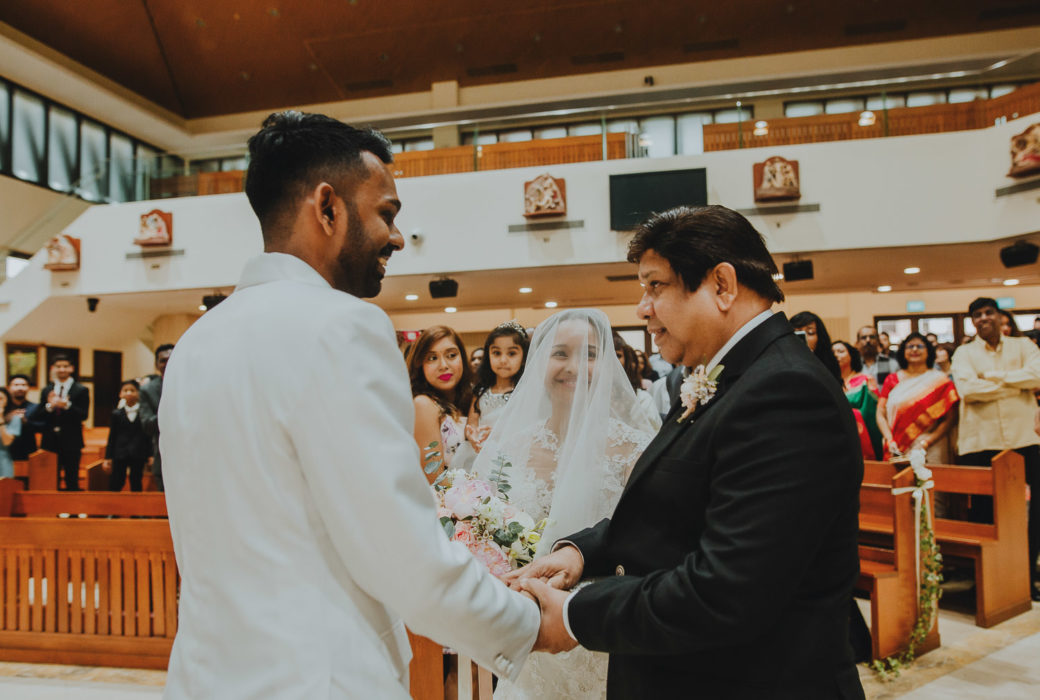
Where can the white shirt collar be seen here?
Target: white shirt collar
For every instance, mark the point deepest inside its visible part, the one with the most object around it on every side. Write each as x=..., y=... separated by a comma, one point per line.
x=66, y=385
x=737, y=337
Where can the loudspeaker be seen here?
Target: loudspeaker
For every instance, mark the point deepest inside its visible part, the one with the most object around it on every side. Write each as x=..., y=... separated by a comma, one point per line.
x=440, y=289
x=211, y=300
x=1019, y=253
x=798, y=270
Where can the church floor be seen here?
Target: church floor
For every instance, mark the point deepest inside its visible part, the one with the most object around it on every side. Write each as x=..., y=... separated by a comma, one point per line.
x=1000, y=662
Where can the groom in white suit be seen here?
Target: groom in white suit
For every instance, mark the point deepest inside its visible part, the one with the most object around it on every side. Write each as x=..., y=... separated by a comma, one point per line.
x=304, y=529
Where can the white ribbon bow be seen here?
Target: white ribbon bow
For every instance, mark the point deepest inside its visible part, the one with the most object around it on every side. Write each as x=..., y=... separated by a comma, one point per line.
x=918, y=493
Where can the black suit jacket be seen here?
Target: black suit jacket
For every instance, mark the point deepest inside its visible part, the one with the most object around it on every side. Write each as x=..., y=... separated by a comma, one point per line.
x=732, y=553
x=62, y=431
x=127, y=440
x=25, y=444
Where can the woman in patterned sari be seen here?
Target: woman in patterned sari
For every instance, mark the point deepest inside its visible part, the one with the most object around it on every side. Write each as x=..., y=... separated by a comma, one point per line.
x=915, y=407
x=861, y=392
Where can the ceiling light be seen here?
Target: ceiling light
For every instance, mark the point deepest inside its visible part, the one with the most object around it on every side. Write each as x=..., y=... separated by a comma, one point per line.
x=911, y=270
x=450, y=309
x=202, y=307
x=778, y=277
x=1010, y=282
x=525, y=290
x=551, y=304
x=867, y=118
x=885, y=288
x=411, y=297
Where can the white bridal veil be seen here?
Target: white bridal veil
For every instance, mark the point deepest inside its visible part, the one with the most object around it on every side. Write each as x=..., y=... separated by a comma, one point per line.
x=572, y=429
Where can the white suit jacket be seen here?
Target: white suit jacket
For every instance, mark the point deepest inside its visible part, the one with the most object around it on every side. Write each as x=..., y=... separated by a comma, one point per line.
x=303, y=526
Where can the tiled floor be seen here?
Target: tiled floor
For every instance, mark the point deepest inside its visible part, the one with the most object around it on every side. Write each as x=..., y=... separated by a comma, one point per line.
x=1001, y=662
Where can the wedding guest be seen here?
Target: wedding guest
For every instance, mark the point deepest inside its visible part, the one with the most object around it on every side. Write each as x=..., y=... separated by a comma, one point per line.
x=916, y=405
x=861, y=393
x=441, y=380
x=21, y=407
x=306, y=537
x=151, y=394
x=646, y=372
x=885, y=342
x=876, y=362
x=627, y=356
x=62, y=413
x=475, y=358
x=505, y=350
x=762, y=454
x=818, y=339
x=996, y=376
x=944, y=358
x=932, y=339
x=10, y=428
x=1008, y=326
x=128, y=447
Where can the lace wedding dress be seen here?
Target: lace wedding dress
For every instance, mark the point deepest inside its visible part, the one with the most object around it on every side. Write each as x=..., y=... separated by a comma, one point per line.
x=565, y=444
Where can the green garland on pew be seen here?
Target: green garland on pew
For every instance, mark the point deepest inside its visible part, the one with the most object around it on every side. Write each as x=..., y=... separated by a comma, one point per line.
x=927, y=602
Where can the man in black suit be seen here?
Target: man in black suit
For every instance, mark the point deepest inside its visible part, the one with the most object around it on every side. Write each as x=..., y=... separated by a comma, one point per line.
x=25, y=444
x=151, y=394
x=731, y=556
x=61, y=412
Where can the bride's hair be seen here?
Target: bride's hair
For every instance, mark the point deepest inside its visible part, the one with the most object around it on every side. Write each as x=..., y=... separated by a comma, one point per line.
x=485, y=376
x=459, y=398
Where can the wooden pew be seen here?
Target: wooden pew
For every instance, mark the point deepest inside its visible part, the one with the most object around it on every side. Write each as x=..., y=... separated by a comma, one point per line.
x=97, y=592
x=43, y=471
x=999, y=551
x=887, y=573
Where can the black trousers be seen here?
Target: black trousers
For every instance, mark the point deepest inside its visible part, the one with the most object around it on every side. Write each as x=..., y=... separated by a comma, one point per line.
x=1031, y=455
x=68, y=466
x=120, y=467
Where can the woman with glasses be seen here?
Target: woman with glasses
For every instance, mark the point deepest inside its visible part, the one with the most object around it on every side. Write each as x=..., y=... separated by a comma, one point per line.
x=915, y=405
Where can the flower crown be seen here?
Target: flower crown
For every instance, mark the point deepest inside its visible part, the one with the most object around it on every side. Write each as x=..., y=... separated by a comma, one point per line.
x=513, y=325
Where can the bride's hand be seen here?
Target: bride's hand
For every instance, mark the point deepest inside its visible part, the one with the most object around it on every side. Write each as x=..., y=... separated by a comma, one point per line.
x=562, y=569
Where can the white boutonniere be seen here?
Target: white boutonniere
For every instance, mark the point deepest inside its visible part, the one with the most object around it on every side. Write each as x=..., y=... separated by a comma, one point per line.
x=698, y=389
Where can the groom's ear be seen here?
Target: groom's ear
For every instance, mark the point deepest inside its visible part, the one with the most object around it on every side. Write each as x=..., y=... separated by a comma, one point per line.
x=724, y=280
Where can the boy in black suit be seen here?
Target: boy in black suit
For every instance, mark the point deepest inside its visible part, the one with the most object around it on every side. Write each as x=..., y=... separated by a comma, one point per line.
x=729, y=562
x=62, y=410
x=129, y=447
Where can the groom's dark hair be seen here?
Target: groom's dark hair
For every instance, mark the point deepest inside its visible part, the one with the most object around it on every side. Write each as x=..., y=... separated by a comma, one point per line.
x=695, y=239
x=293, y=152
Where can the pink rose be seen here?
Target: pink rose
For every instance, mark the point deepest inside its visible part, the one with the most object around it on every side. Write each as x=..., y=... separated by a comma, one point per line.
x=491, y=556
x=463, y=498
x=464, y=534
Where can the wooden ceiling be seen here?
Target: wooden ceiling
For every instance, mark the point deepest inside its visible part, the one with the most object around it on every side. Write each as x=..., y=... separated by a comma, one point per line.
x=209, y=57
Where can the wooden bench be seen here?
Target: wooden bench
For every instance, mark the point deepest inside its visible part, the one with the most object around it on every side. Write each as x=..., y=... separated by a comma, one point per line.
x=999, y=550
x=887, y=573
x=90, y=591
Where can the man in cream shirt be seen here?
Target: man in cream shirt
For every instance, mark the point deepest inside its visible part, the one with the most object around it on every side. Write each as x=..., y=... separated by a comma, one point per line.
x=304, y=529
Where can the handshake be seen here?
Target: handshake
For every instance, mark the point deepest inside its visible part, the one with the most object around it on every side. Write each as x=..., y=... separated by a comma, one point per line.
x=547, y=582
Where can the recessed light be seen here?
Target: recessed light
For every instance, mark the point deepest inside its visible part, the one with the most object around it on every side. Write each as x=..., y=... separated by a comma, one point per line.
x=778, y=277
x=1010, y=282
x=885, y=288
x=551, y=304
x=911, y=270
x=411, y=297
x=525, y=290
x=450, y=309
x=202, y=307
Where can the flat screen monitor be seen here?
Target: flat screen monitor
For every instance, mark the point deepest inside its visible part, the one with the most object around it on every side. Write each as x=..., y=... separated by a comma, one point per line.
x=635, y=196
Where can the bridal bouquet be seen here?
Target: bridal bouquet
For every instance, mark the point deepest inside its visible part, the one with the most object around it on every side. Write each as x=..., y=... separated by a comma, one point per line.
x=478, y=515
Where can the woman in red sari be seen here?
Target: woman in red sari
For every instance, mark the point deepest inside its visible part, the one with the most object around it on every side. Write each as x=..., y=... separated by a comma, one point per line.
x=915, y=405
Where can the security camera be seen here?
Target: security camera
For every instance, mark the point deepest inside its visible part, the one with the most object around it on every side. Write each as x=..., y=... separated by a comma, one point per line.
x=416, y=237
x=92, y=303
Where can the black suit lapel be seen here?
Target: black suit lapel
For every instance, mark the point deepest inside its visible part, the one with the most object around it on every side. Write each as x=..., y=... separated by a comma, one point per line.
x=734, y=364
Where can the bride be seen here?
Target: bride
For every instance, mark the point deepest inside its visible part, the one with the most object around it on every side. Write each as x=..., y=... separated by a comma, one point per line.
x=563, y=447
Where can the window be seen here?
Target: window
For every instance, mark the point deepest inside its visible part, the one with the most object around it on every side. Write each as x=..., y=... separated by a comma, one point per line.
x=924, y=99
x=419, y=145
x=623, y=126
x=93, y=154
x=61, y=149
x=483, y=139
x=1001, y=90
x=844, y=105
x=586, y=129
x=551, y=132
x=732, y=116
x=147, y=168
x=28, y=138
x=803, y=109
x=515, y=136
x=690, y=132
x=15, y=265
x=5, y=124
x=958, y=95
x=658, y=136
x=120, y=168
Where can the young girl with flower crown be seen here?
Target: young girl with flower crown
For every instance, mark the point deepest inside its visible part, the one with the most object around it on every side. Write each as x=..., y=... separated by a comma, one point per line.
x=505, y=354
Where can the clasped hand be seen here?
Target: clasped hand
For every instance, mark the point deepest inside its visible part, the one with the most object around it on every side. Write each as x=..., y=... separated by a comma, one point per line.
x=547, y=580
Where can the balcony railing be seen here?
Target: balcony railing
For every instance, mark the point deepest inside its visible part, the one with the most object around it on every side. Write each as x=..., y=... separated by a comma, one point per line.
x=904, y=121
